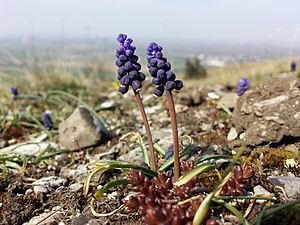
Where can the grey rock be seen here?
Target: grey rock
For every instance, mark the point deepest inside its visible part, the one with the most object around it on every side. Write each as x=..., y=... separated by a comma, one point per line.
x=52, y=181
x=77, y=174
x=107, y=105
x=268, y=113
x=133, y=156
x=259, y=191
x=45, y=218
x=40, y=189
x=76, y=187
x=228, y=99
x=80, y=130
x=32, y=147
x=80, y=219
x=291, y=185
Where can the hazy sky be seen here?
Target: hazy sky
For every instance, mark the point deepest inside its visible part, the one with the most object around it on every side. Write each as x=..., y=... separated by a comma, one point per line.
x=276, y=21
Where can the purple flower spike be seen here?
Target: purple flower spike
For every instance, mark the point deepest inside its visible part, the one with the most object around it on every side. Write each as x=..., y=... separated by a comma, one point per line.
x=243, y=86
x=14, y=91
x=160, y=70
x=48, y=124
x=127, y=61
x=293, y=66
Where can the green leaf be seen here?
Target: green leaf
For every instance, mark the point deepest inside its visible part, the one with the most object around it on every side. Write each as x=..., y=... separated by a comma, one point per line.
x=202, y=210
x=168, y=163
x=232, y=209
x=107, y=165
x=109, y=185
x=209, y=157
x=159, y=149
x=268, y=211
x=137, y=138
x=192, y=173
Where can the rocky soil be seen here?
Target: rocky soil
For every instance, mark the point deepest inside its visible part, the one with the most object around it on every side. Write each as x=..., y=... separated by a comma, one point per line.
x=265, y=120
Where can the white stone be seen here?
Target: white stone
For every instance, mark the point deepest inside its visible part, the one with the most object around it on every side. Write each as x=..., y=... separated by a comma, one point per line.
x=232, y=134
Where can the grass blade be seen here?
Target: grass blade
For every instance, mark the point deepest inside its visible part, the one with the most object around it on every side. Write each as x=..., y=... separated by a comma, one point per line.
x=192, y=173
x=108, y=186
x=232, y=209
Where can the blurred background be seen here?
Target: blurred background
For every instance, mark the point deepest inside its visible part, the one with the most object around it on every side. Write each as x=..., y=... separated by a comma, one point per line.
x=73, y=42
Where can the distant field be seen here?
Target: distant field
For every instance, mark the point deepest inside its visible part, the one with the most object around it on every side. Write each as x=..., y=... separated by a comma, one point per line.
x=256, y=72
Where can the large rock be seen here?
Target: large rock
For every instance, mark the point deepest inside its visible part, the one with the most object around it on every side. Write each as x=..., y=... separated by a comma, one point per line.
x=81, y=130
x=269, y=113
x=291, y=185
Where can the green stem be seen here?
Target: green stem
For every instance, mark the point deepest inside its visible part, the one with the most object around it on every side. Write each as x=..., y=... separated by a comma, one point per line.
x=175, y=133
x=147, y=127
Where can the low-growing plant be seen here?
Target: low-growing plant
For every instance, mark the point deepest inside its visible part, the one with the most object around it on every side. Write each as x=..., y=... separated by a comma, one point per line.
x=167, y=195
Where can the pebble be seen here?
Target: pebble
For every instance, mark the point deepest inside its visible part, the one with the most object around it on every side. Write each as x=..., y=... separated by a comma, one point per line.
x=232, y=134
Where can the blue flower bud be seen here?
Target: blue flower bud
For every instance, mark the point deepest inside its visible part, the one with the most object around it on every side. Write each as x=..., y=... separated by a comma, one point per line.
x=293, y=66
x=121, y=38
x=125, y=80
x=170, y=85
x=123, y=89
x=159, y=91
x=136, y=85
x=128, y=52
x=152, y=71
x=160, y=64
x=133, y=74
x=14, y=91
x=243, y=86
x=153, y=62
x=170, y=75
x=122, y=71
x=156, y=81
x=158, y=55
x=128, y=65
x=141, y=77
x=47, y=121
x=133, y=58
x=179, y=85
x=137, y=66
x=118, y=63
x=122, y=58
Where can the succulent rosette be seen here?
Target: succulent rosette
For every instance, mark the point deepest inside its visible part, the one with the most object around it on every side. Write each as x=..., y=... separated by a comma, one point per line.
x=129, y=69
x=160, y=70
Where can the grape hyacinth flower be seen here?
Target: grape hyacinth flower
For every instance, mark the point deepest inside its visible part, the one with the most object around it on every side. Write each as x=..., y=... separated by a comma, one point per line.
x=165, y=79
x=129, y=75
x=160, y=70
x=14, y=92
x=48, y=124
x=243, y=86
x=127, y=61
x=293, y=66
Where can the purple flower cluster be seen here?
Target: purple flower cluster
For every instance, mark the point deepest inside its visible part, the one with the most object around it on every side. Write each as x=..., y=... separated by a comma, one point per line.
x=127, y=61
x=243, y=86
x=293, y=66
x=160, y=70
x=14, y=91
x=48, y=124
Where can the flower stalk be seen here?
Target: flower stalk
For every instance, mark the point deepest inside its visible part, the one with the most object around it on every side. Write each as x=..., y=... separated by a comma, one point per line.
x=147, y=127
x=175, y=133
